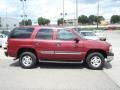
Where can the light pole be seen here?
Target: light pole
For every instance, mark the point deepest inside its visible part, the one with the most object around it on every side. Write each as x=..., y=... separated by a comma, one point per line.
x=63, y=16
x=76, y=14
x=24, y=15
x=98, y=6
x=6, y=19
x=63, y=13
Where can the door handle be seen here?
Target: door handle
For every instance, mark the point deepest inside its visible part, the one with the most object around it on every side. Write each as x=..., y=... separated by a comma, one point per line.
x=58, y=44
x=37, y=43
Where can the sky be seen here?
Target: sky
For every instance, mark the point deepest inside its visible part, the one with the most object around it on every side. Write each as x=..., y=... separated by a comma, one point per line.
x=51, y=9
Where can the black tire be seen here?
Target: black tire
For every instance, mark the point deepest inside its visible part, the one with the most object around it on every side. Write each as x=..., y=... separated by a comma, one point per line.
x=95, y=64
x=32, y=61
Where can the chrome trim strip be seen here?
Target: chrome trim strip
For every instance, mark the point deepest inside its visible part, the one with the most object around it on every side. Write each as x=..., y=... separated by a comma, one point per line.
x=67, y=52
x=47, y=52
x=61, y=52
x=70, y=62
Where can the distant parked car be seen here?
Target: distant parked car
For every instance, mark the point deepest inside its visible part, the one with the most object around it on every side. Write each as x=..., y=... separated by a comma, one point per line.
x=100, y=34
x=5, y=32
x=111, y=27
x=88, y=35
x=3, y=39
x=4, y=43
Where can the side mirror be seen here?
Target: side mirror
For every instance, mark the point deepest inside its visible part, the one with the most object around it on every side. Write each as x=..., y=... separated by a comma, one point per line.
x=76, y=40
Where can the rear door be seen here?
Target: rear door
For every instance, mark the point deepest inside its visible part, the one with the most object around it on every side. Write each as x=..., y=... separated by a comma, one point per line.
x=44, y=43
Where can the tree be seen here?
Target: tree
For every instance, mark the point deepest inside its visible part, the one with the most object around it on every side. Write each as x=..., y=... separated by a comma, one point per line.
x=100, y=18
x=43, y=21
x=83, y=19
x=115, y=19
x=26, y=22
x=60, y=21
x=47, y=21
x=92, y=19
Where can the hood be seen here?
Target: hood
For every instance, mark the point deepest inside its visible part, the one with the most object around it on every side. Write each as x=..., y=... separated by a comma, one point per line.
x=97, y=44
x=91, y=37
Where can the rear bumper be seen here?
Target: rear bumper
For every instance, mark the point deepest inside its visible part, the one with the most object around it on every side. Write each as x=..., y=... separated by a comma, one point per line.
x=110, y=57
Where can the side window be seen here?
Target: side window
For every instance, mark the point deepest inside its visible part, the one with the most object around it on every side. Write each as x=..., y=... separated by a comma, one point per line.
x=21, y=33
x=65, y=35
x=46, y=34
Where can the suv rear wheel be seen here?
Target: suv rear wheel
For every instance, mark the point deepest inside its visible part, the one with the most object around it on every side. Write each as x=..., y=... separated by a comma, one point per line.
x=27, y=60
x=95, y=61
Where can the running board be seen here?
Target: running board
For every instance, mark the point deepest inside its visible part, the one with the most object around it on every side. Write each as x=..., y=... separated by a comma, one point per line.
x=70, y=62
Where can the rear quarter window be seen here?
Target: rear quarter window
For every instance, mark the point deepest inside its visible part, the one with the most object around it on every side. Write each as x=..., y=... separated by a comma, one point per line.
x=46, y=34
x=21, y=33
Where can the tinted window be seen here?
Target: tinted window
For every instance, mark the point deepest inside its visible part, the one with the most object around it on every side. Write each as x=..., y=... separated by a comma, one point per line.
x=45, y=34
x=65, y=35
x=5, y=32
x=21, y=33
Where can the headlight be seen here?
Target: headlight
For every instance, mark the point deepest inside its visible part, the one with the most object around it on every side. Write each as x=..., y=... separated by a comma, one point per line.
x=110, y=49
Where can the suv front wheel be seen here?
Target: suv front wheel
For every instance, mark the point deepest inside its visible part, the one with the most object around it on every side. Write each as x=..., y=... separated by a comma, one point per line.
x=27, y=60
x=95, y=61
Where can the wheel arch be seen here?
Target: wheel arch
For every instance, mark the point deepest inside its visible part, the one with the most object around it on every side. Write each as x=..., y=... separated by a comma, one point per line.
x=96, y=50
x=26, y=49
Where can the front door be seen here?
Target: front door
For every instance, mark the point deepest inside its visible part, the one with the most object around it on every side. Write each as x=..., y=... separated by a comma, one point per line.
x=65, y=46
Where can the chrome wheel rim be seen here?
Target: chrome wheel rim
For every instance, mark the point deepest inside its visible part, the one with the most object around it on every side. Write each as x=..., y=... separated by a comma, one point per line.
x=27, y=60
x=95, y=61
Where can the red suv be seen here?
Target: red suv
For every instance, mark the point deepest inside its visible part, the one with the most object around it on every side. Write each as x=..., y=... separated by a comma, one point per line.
x=59, y=45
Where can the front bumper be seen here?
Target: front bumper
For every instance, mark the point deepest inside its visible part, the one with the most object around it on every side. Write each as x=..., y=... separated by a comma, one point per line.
x=110, y=57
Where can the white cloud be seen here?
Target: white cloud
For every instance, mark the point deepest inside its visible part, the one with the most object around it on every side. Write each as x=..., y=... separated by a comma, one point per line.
x=3, y=5
x=51, y=9
x=6, y=8
x=11, y=9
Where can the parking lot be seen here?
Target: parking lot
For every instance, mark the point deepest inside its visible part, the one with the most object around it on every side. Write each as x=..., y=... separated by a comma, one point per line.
x=62, y=76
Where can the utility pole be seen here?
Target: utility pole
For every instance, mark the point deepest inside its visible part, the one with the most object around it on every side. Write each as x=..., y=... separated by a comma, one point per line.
x=24, y=15
x=63, y=12
x=6, y=25
x=76, y=14
x=98, y=6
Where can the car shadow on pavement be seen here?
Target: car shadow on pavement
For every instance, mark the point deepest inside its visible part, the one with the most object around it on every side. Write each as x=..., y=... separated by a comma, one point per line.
x=15, y=64
x=108, y=66
x=42, y=65
x=60, y=66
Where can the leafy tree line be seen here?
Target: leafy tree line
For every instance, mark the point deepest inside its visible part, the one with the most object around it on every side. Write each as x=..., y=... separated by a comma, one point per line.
x=115, y=19
x=90, y=20
x=26, y=22
x=85, y=20
x=43, y=21
x=60, y=21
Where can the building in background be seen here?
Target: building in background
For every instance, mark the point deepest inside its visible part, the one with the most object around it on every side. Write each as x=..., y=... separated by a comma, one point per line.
x=70, y=22
x=8, y=23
